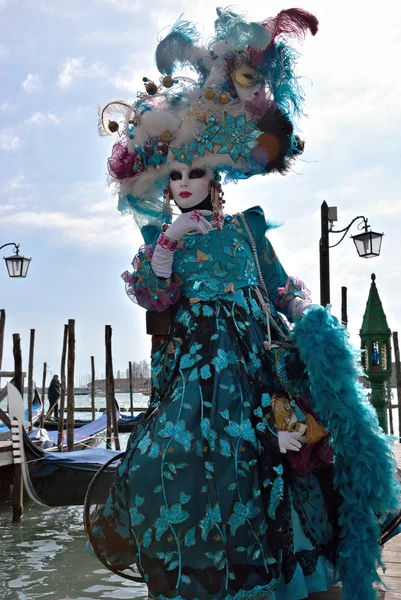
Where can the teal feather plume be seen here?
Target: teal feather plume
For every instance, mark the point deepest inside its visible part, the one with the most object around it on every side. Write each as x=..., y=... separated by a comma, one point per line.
x=233, y=28
x=176, y=49
x=364, y=465
x=145, y=211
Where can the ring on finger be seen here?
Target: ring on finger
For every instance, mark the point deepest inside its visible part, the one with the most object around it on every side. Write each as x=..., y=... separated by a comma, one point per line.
x=196, y=216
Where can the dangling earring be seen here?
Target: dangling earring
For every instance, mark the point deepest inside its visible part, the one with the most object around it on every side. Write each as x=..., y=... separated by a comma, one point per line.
x=167, y=197
x=217, y=199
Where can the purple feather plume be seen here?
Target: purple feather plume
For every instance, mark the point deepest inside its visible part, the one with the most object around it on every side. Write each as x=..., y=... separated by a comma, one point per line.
x=292, y=22
x=259, y=105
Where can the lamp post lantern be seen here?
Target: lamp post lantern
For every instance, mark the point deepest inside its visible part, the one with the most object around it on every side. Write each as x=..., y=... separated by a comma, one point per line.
x=17, y=266
x=367, y=243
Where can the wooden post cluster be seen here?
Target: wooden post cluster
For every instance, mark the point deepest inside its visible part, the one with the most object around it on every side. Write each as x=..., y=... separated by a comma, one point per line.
x=62, y=390
x=110, y=394
x=70, y=385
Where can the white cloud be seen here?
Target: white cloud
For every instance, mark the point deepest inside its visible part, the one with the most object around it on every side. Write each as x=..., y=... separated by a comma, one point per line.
x=125, y=6
x=74, y=68
x=9, y=142
x=70, y=70
x=31, y=83
x=16, y=203
x=15, y=183
x=39, y=118
x=3, y=4
x=6, y=107
x=127, y=78
x=62, y=11
x=108, y=205
x=93, y=231
x=104, y=36
x=4, y=51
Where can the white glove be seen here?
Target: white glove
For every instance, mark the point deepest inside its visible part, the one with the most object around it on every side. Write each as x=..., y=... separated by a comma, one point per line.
x=290, y=440
x=162, y=262
x=185, y=223
x=297, y=307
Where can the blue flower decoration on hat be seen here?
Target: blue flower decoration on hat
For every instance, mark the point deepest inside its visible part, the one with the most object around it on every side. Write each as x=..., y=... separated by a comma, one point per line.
x=185, y=154
x=236, y=136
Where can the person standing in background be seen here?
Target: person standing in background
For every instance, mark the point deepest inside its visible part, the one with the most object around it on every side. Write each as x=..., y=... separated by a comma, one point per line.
x=53, y=394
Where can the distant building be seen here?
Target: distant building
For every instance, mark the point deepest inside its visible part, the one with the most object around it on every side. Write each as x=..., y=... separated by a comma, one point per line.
x=140, y=384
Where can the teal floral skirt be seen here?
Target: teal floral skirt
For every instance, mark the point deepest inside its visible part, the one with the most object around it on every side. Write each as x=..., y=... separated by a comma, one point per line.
x=203, y=504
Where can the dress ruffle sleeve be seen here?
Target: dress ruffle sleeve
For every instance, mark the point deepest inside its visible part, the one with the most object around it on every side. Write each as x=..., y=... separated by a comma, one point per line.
x=142, y=285
x=281, y=287
x=294, y=288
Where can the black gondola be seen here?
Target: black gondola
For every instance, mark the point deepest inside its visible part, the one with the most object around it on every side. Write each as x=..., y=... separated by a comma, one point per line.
x=59, y=478
x=62, y=478
x=125, y=423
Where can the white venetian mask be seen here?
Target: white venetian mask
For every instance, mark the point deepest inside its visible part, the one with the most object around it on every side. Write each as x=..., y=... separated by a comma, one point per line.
x=189, y=185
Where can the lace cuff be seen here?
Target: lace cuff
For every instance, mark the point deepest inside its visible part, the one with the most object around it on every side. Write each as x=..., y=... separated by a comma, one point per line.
x=146, y=289
x=294, y=288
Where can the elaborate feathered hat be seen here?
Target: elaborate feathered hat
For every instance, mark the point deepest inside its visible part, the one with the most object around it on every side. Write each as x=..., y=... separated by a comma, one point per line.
x=236, y=115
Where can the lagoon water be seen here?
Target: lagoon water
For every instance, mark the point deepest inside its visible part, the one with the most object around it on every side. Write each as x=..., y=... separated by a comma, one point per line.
x=45, y=557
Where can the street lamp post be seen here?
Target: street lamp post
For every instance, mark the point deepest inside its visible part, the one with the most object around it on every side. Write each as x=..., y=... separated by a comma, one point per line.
x=324, y=255
x=17, y=266
x=367, y=243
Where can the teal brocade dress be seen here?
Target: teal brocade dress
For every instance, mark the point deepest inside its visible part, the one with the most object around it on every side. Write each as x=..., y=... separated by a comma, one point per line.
x=204, y=505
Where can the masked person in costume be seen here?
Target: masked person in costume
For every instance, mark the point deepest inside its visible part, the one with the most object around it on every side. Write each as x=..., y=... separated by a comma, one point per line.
x=232, y=486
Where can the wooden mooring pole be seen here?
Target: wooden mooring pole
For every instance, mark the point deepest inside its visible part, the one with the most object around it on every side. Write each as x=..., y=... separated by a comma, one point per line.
x=18, y=375
x=110, y=393
x=389, y=406
x=70, y=385
x=2, y=328
x=344, y=311
x=17, y=498
x=30, y=376
x=131, y=395
x=43, y=395
x=107, y=390
x=62, y=391
x=93, y=388
x=397, y=378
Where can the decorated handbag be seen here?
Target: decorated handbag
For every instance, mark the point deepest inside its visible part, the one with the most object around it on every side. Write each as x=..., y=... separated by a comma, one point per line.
x=289, y=415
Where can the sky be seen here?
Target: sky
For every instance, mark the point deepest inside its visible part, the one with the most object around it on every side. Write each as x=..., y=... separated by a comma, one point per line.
x=60, y=59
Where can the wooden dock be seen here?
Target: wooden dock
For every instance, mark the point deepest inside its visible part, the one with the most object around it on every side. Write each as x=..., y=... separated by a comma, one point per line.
x=6, y=454
x=392, y=560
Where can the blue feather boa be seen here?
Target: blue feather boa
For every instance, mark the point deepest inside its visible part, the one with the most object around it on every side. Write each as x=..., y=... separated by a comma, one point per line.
x=364, y=464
